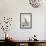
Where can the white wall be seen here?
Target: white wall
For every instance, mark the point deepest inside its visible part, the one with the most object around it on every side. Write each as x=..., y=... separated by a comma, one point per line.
x=13, y=8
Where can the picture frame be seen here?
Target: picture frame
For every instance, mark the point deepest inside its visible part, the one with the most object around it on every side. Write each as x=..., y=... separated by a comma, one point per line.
x=25, y=20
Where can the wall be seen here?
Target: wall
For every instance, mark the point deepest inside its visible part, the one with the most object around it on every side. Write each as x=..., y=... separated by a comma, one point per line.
x=13, y=8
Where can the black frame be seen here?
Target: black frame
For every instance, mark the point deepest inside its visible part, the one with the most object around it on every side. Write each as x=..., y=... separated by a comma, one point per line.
x=30, y=21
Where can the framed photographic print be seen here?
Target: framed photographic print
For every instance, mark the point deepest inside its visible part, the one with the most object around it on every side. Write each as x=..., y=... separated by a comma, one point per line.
x=25, y=20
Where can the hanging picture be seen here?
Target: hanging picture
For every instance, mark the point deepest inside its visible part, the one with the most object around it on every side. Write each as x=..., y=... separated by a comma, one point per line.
x=25, y=20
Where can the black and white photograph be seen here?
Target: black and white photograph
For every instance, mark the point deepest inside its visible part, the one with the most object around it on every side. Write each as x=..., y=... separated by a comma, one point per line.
x=25, y=20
